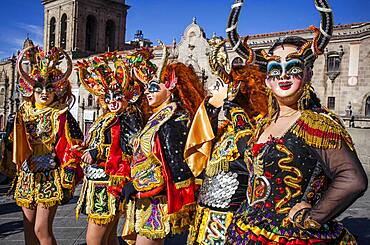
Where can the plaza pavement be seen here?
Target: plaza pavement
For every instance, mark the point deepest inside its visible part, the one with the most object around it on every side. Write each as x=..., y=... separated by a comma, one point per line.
x=69, y=231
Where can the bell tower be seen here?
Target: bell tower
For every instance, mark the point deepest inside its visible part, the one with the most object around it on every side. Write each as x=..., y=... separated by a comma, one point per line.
x=85, y=26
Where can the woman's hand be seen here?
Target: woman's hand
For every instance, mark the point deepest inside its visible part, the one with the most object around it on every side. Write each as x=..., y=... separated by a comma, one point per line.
x=296, y=208
x=87, y=158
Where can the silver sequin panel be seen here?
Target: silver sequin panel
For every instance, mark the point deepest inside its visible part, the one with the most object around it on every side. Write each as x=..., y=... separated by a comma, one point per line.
x=218, y=190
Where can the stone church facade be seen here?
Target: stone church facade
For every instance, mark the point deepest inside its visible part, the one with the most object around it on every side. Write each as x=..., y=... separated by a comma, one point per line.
x=89, y=27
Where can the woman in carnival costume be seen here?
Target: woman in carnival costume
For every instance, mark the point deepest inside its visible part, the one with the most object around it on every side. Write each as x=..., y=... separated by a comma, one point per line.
x=214, y=149
x=107, y=149
x=304, y=171
x=162, y=184
x=44, y=132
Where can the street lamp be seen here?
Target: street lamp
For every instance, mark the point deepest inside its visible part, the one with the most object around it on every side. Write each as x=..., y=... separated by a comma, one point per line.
x=333, y=61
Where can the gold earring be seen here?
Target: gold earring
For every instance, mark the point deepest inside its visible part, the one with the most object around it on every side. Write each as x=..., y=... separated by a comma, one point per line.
x=270, y=106
x=304, y=100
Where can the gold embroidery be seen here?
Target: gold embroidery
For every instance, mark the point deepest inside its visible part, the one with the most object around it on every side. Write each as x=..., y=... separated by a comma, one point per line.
x=146, y=169
x=289, y=180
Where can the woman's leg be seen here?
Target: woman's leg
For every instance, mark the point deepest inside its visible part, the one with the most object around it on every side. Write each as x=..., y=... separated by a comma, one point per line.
x=142, y=240
x=29, y=217
x=111, y=236
x=95, y=234
x=44, y=225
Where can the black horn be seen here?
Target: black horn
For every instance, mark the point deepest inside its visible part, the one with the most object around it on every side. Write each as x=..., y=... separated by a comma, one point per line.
x=236, y=42
x=325, y=32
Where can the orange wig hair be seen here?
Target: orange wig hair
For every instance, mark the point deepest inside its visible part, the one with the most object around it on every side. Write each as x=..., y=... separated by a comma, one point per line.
x=188, y=91
x=252, y=95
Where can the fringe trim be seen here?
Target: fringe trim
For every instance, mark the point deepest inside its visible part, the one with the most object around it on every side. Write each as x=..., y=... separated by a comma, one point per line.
x=32, y=205
x=321, y=131
x=184, y=184
x=181, y=220
x=130, y=216
x=153, y=235
x=117, y=180
x=198, y=181
x=100, y=220
x=145, y=165
x=49, y=204
x=216, y=167
x=24, y=203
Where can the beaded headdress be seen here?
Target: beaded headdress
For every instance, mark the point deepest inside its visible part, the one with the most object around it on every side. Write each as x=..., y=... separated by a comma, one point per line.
x=98, y=77
x=153, y=73
x=44, y=69
x=140, y=64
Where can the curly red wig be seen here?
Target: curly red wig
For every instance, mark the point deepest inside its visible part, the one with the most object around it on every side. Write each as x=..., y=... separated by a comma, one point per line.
x=188, y=90
x=252, y=95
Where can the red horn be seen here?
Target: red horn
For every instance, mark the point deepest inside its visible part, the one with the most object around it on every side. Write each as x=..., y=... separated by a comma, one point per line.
x=22, y=73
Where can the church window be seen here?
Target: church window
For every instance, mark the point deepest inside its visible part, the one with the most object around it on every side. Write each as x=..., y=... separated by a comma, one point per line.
x=237, y=62
x=367, y=107
x=91, y=26
x=52, y=32
x=331, y=103
x=2, y=122
x=90, y=100
x=110, y=35
x=63, y=32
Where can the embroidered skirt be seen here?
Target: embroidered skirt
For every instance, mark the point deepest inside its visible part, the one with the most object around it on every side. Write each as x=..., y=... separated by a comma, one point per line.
x=148, y=217
x=42, y=188
x=209, y=226
x=97, y=203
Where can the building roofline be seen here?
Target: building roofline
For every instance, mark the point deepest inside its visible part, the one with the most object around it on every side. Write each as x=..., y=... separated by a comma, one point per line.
x=302, y=31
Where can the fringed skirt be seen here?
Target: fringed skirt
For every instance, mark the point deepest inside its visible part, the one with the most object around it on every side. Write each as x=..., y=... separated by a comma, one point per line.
x=42, y=188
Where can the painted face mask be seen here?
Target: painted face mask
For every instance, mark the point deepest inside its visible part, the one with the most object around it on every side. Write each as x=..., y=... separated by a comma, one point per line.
x=44, y=94
x=285, y=70
x=153, y=87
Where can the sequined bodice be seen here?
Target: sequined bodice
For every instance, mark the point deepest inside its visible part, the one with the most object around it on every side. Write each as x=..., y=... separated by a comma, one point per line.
x=284, y=172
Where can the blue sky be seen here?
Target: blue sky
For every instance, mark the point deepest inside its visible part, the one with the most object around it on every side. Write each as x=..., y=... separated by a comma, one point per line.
x=167, y=19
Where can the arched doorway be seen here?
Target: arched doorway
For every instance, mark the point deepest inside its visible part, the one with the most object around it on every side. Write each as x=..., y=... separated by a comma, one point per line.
x=110, y=35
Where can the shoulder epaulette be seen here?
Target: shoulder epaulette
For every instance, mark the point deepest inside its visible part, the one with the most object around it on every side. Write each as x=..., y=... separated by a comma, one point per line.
x=321, y=130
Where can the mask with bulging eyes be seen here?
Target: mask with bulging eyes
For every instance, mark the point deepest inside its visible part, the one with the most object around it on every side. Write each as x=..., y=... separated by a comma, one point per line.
x=153, y=87
x=39, y=88
x=113, y=96
x=44, y=94
x=285, y=70
x=115, y=101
